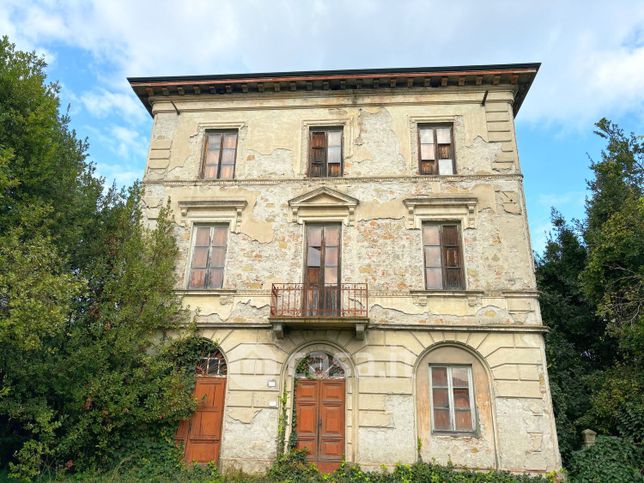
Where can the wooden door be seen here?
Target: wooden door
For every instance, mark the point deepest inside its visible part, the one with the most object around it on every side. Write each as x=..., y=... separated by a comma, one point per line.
x=319, y=411
x=201, y=434
x=322, y=276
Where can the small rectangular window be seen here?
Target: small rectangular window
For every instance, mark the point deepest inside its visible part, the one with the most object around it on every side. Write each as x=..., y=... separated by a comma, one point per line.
x=325, y=152
x=208, y=256
x=452, y=398
x=436, y=149
x=220, y=153
x=443, y=257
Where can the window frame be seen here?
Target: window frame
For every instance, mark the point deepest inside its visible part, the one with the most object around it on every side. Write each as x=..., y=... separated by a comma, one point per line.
x=461, y=260
x=450, y=393
x=223, y=132
x=435, y=126
x=193, y=246
x=325, y=130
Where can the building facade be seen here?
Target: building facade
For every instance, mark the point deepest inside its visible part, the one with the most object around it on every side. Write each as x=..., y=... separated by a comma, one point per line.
x=356, y=244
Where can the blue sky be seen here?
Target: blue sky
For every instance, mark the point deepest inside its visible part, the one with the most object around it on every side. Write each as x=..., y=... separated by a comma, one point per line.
x=592, y=54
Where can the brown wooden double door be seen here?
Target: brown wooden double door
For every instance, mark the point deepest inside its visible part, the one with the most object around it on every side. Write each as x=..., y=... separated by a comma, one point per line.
x=322, y=276
x=319, y=411
x=201, y=434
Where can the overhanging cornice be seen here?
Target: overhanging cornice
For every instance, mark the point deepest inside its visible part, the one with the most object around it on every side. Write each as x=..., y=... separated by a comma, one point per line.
x=519, y=76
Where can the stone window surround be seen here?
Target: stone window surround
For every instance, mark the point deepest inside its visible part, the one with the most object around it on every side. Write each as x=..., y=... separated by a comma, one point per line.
x=208, y=212
x=204, y=127
x=441, y=207
x=302, y=164
x=415, y=122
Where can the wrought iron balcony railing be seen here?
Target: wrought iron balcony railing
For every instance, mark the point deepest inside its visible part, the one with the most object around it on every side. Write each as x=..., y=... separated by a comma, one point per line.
x=299, y=300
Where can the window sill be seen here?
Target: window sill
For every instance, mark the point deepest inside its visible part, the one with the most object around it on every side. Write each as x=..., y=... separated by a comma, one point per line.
x=447, y=293
x=457, y=434
x=206, y=291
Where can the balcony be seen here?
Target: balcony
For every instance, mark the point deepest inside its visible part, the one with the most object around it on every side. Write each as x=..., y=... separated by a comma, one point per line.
x=301, y=305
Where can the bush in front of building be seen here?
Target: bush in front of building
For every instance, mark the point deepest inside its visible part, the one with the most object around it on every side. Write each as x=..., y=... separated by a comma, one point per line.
x=610, y=459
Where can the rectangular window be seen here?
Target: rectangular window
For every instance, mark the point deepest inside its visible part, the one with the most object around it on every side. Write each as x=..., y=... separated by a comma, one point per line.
x=208, y=256
x=452, y=398
x=443, y=257
x=435, y=149
x=219, y=155
x=325, y=152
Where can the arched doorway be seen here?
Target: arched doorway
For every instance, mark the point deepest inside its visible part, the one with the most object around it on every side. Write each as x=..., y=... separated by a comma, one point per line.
x=320, y=409
x=201, y=434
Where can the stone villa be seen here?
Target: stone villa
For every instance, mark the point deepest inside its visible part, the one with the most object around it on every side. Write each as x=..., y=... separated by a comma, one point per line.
x=356, y=244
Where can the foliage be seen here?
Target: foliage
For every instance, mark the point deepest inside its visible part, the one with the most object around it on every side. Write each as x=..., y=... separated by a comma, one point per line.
x=610, y=459
x=86, y=296
x=591, y=282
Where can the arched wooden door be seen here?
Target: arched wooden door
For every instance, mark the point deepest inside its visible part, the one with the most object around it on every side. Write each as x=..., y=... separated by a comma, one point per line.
x=319, y=410
x=201, y=434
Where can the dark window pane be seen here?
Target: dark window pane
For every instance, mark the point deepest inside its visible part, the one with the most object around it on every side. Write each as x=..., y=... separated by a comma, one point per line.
x=230, y=141
x=439, y=376
x=331, y=257
x=440, y=398
x=218, y=257
x=216, y=278
x=198, y=278
x=459, y=377
x=314, y=235
x=214, y=141
x=203, y=236
x=210, y=172
x=431, y=234
x=462, y=398
x=334, y=170
x=228, y=157
x=433, y=256
x=220, y=235
x=227, y=172
x=332, y=236
x=331, y=275
x=441, y=420
x=200, y=257
x=463, y=420
x=318, y=139
x=313, y=257
x=313, y=275
x=434, y=278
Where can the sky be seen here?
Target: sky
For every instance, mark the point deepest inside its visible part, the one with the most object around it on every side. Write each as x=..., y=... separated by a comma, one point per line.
x=592, y=55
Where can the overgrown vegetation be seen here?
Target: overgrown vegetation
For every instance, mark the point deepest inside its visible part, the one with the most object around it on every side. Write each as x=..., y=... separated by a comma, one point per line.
x=91, y=386
x=86, y=294
x=591, y=279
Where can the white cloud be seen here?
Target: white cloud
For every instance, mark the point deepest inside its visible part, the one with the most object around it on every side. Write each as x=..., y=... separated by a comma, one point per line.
x=102, y=103
x=592, y=51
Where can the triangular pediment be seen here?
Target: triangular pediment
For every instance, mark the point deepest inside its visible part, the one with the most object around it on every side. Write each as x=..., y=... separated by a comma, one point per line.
x=324, y=197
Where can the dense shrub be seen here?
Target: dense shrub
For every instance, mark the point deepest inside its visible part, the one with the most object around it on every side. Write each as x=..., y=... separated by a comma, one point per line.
x=611, y=459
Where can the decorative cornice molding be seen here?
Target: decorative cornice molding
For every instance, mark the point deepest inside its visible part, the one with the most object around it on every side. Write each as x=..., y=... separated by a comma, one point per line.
x=214, y=210
x=439, y=206
x=323, y=204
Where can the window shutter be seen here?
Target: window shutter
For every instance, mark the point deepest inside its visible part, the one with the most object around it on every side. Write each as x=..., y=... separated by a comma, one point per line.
x=317, y=165
x=451, y=248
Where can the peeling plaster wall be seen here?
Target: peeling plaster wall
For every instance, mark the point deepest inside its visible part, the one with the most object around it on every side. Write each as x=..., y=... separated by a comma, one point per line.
x=497, y=316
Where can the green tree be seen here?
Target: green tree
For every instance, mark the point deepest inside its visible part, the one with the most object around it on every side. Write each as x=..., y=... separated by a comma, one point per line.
x=87, y=373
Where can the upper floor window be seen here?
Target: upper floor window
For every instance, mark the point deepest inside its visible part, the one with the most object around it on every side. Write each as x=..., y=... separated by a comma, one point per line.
x=325, y=152
x=443, y=256
x=219, y=155
x=208, y=256
x=435, y=149
x=452, y=398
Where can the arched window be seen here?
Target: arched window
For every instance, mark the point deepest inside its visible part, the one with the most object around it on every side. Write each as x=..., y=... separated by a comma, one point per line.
x=213, y=364
x=319, y=365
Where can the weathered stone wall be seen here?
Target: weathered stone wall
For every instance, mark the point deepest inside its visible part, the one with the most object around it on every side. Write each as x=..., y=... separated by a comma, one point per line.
x=496, y=318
